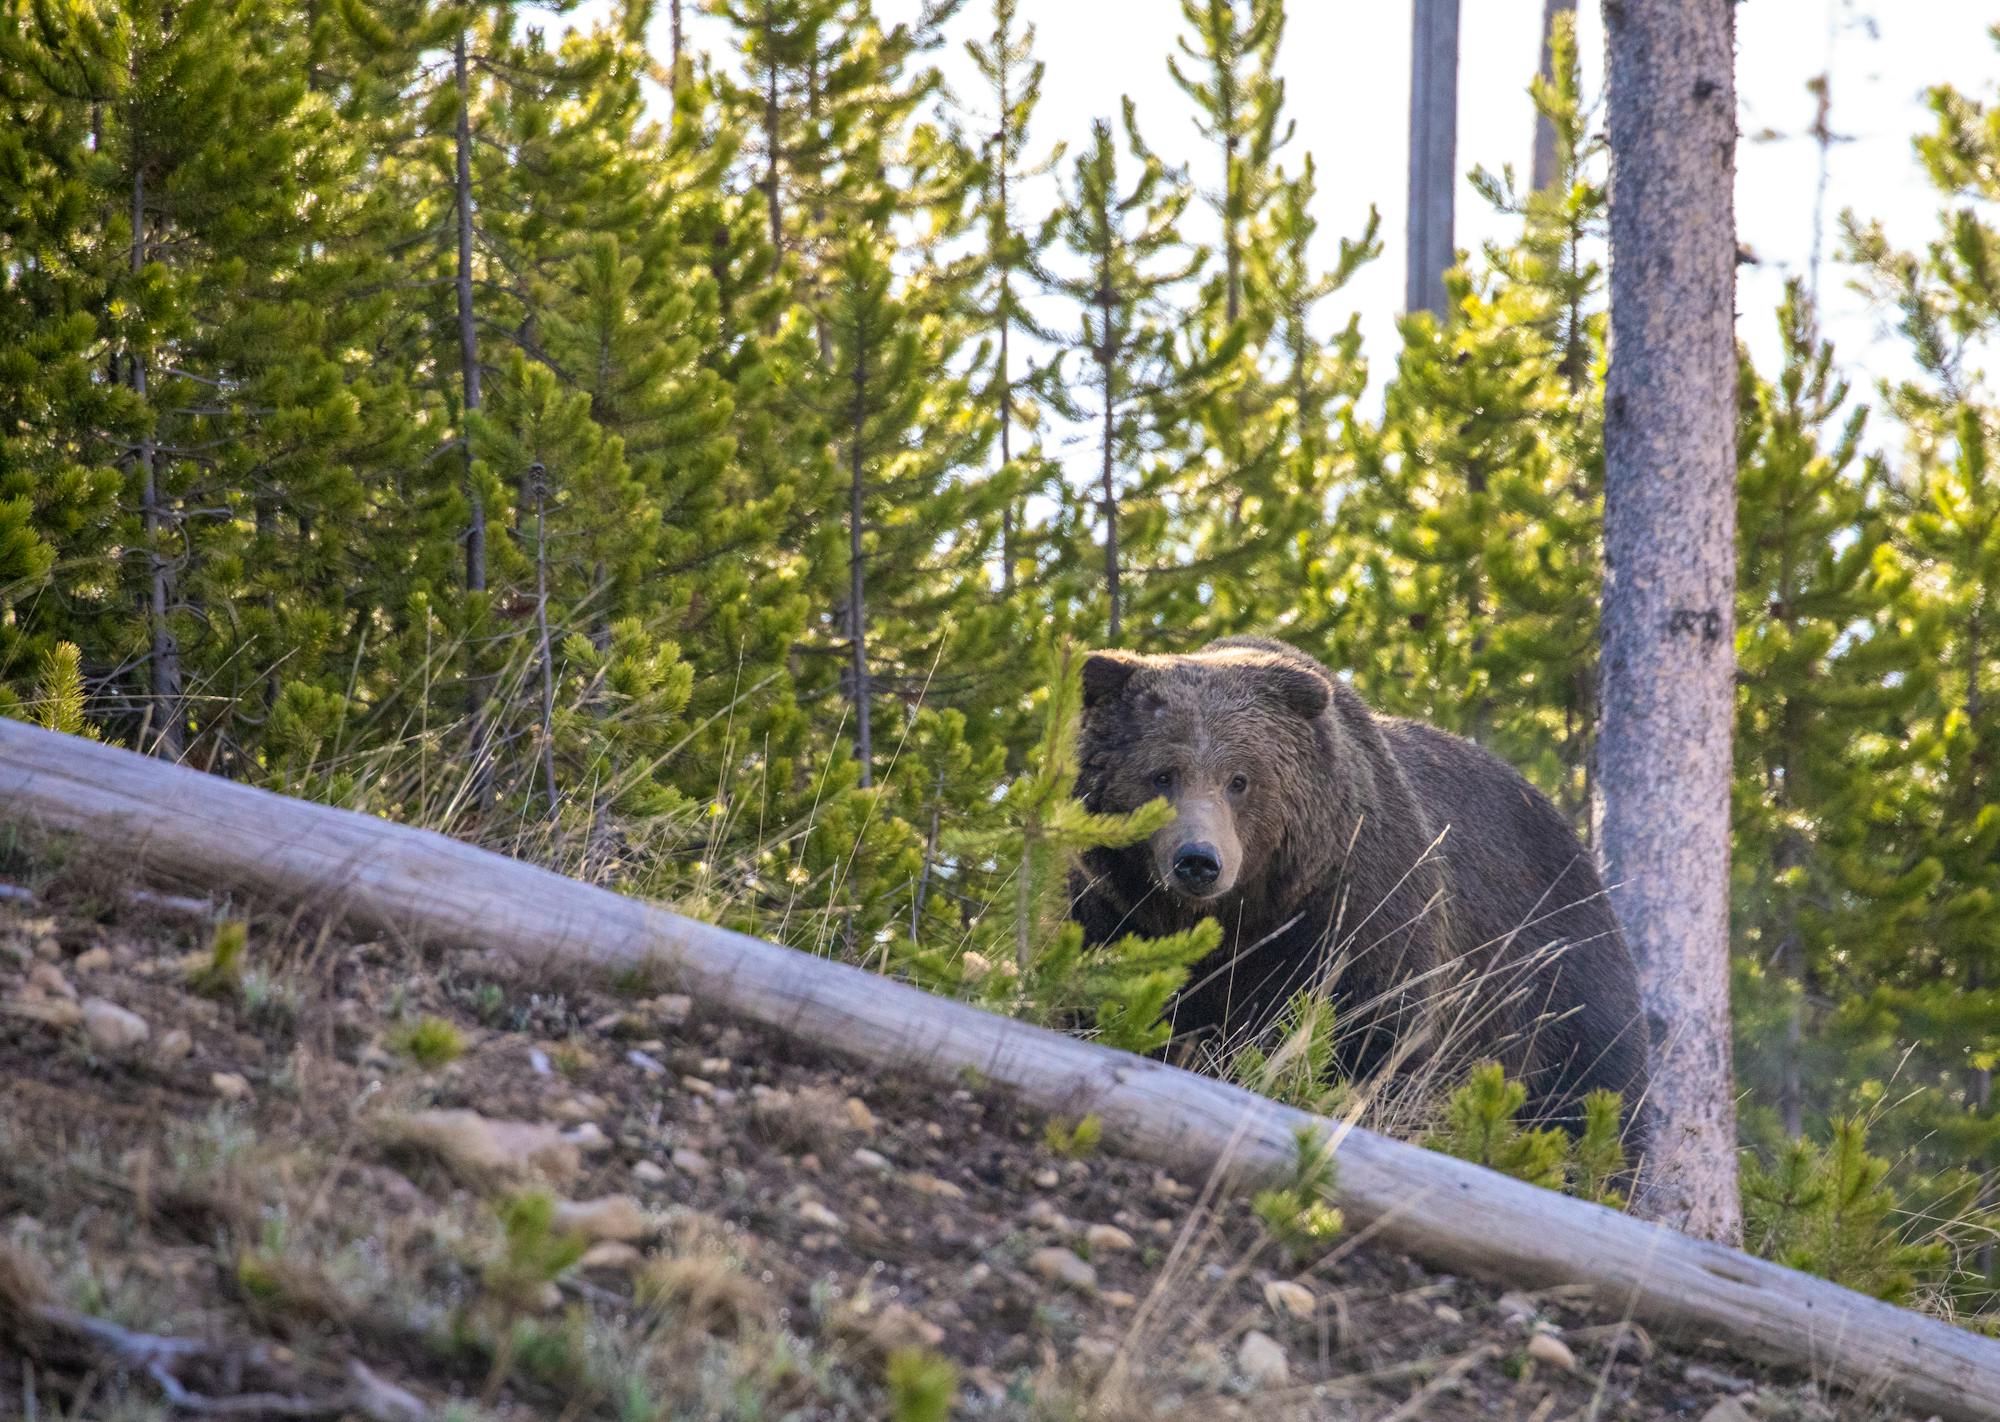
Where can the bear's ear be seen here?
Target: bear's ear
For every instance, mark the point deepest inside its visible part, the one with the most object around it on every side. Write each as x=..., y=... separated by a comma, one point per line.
x=1298, y=689
x=1105, y=675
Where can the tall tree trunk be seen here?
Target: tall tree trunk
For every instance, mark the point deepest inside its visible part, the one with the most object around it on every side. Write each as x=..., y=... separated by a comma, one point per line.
x=1670, y=573
x=1107, y=363
x=1544, y=170
x=167, y=714
x=857, y=583
x=675, y=40
x=1433, y=152
x=468, y=335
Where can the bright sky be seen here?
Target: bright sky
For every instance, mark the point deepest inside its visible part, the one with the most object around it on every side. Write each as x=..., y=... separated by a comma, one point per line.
x=1347, y=63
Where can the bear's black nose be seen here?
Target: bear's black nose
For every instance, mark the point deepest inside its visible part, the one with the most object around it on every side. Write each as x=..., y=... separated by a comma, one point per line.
x=1197, y=867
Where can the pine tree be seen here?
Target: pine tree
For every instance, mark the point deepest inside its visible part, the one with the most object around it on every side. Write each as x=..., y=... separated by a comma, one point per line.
x=1131, y=264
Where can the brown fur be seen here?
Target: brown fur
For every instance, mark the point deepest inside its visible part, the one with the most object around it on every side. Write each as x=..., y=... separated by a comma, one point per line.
x=1442, y=899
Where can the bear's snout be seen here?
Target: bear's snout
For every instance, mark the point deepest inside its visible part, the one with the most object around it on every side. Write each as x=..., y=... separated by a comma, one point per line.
x=1197, y=867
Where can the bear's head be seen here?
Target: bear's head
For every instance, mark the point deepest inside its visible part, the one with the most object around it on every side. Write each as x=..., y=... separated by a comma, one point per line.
x=1234, y=737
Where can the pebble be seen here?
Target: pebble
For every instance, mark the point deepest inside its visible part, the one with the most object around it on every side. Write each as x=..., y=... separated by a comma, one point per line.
x=648, y=1172
x=611, y=1217
x=672, y=1008
x=48, y=978
x=1547, y=1348
x=646, y=1063
x=860, y=1117
x=1261, y=1359
x=1727, y=1410
x=174, y=1045
x=1118, y=1298
x=1047, y=1178
x=229, y=1085
x=925, y=1183
x=1059, y=1266
x=714, y=1066
x=611, y=1256
x=818, y=1215
x=539, y=1061
x=1447, y=1314
x=589, y=1138
x=1107, y=1238
x=111, y=1028
x=1289, y=1296
x=92, y=960
x=872, y=1160
x=1045, y=1214
x=695, y=1086
x=1516, y=1308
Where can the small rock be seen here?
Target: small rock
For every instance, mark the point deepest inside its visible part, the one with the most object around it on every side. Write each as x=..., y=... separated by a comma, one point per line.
x=587, y=1107
x=229, y=1085
x=111, y=1028
x=1059, y=1266
x=695, y=1086
x=611, y=1256
x=1118, y=1298
x=691, y=1162
x=1547, y=1348
x=589, y=1138
x=1107, y=1238
x=1047, y=1178
x=1045, y=1214
x=47, y=948
x=48, y=979
x=538, y=1060
x=1701, y=1375
x=648, y=1064
x=1168, y=1188
x=57, y=1012
x=818, y=1215
x=860, y=1117
x=611, y=1217
x=174, y=1045
x=1261, y=1359
x=869, y=1159
x=1447, y=1314
x=481, y=1149
x=672, y=1008
x=1516, y=1308
x=1289, y=1296
x=925, y=1183
x=1727, y=1410
x=648, y=1172
x=715, y=1066
x=93, y=960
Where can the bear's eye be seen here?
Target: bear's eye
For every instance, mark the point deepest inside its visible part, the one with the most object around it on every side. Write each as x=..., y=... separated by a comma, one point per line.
x=1238, y=783
x=1163, y=780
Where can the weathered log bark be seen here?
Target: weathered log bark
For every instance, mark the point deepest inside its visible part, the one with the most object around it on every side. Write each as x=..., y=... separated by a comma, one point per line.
x=1455, y=1215
x=1667, y=686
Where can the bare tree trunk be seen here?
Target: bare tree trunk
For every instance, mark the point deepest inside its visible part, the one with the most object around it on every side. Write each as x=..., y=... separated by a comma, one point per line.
x=1112, y=591
x=674, y=32
x=538, y=485
x=1670, y=573
x=857, y=582
x=468, y=336
x=1433, y=152
x=1544, y=170
x=167, y=714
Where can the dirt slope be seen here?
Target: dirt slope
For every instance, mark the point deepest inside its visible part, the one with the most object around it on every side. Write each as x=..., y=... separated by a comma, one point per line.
x=272, y=1172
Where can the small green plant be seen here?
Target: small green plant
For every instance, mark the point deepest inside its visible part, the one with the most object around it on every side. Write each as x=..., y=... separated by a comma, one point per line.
x=1299, y=1068
x=59, y=693
x=533, y=1254
x=1296, y=1212
x=1597, y=1157
x=430, y=1042
x=1480, y=1127
x=220, y=974
x=921, y=1386
x=1073, y=1140
x=1826, y=1209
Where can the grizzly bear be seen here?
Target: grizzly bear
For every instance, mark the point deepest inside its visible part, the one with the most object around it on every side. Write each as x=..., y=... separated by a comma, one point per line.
x=1443, y=902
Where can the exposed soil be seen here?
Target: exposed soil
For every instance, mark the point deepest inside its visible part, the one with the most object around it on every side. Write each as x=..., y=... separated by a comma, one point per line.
x=254, y=1175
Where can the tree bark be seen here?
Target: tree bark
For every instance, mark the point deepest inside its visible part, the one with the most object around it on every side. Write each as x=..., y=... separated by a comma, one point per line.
x=1433, y=152
x=1544, y=170
x=857, y=578
x=168, y=712
x=468, y=335
x=1669, y=580
x=424, y=888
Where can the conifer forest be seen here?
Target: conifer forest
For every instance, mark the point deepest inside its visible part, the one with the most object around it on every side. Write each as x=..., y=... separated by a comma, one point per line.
x=696, y=451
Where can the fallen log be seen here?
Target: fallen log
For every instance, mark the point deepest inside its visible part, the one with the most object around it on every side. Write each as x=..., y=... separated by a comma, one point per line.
x=1444, y=1211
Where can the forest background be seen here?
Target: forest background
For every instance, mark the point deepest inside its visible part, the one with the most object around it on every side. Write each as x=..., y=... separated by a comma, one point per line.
x=697, y=464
